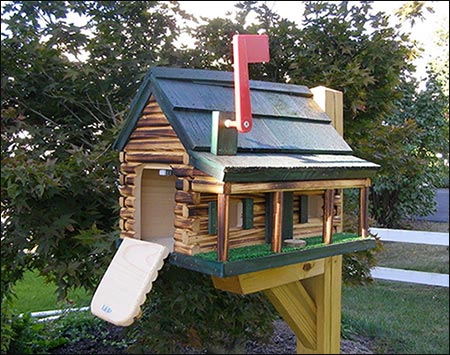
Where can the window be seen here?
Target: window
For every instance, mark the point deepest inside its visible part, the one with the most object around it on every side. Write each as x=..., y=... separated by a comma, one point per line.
x=240, y=214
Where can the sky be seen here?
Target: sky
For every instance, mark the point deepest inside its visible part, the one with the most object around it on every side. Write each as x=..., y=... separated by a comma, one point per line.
x=423, y=32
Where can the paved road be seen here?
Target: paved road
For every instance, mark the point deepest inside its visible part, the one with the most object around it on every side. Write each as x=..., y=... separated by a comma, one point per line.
x=441, y=215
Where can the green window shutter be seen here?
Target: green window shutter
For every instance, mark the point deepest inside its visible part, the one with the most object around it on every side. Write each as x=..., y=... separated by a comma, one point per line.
x=287, y=229
x=247, y=213
x=303, y=209
x=212, y=217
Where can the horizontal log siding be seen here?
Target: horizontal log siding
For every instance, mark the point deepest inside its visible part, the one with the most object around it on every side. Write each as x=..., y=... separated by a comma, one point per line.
x=191, y=221
x=152, y=141
x=314, y=225
x=191, y=234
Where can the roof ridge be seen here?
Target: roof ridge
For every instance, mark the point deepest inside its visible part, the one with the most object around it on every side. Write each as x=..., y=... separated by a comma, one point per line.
x=226, y=77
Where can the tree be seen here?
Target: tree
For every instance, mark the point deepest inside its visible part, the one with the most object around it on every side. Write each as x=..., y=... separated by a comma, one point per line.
x=350, y=48
x=59, y=119
x=65, y=89
x=405, y=146
x=66, y=86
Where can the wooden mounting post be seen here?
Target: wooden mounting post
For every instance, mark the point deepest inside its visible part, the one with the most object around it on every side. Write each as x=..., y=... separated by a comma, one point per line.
x=223, y=139
x=325, y=290
x=328, y=207
x=223, y=204
x=307, y=295
x=332, y=102
x=277, y=221
x=363, y=211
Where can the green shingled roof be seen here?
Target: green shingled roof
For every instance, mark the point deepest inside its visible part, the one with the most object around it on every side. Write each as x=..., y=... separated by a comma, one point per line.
x=291, y=135
x=286, y=118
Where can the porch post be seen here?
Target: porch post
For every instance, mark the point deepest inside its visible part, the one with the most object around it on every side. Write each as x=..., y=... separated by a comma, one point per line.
x=328, y=206
x=363, y=211
x=277, y=221
x=223, y=203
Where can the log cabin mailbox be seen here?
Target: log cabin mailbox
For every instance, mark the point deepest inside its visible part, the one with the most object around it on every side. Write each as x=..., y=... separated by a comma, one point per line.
x=258, y=211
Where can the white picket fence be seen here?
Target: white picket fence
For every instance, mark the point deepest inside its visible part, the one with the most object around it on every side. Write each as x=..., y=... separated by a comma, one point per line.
x=384, y=273
x=416, y=237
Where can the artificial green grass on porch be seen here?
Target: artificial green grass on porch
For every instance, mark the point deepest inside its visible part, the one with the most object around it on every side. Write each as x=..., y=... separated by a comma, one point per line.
x=257, y=251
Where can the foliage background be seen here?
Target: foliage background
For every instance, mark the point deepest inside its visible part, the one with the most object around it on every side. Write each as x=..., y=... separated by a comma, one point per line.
x=65, y=89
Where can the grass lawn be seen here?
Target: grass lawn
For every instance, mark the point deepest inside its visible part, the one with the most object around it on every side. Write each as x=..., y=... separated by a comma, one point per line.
x=34, y=294
x=420, y=257
x=403, y=318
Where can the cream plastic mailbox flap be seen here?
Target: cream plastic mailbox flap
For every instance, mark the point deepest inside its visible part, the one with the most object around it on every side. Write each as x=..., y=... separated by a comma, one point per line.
x=127, y=281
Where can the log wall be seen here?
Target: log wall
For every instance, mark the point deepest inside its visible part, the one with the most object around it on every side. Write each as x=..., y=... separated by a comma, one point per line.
x=155, y=145
x=152, y=145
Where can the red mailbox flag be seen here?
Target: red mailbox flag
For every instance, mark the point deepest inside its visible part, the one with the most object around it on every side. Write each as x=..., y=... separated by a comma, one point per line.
x=246, y=49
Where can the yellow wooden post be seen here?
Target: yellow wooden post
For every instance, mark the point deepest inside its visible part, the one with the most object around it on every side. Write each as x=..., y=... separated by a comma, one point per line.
x=307, y=295
x=332, y=102
x=325, y=290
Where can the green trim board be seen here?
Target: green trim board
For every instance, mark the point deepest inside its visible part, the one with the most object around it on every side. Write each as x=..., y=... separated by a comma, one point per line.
x=263, y=167
x=273, y=260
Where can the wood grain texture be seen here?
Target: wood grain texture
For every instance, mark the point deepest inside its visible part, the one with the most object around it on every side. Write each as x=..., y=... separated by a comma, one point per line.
x=328, y=208
x=331, y=101
x=129, y=168
x=223, y=202
x=157, y=144
x=325, y=291
x=298, y=310
x=363, y=212
x=183, y=170
x=277, y=221
x=175, y=157
x=208, y=185
x=297, y=185
x=266, y=279
x=191, y=198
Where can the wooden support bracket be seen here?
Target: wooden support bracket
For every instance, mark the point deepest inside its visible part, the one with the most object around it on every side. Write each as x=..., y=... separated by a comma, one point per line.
x=307, y=295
